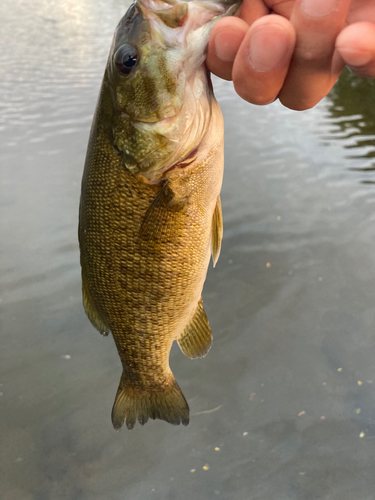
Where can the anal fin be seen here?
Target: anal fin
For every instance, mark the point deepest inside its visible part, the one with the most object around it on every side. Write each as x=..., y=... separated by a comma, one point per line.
x=217, y=231
x=196, y=340
x=92, y=312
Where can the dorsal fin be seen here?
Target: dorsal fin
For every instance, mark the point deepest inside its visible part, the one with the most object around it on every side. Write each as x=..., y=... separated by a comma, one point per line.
x=196, y=340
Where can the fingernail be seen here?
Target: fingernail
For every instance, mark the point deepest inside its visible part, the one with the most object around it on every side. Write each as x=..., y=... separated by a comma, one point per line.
x=269, y=46
x=318, y=8
x=226, y=44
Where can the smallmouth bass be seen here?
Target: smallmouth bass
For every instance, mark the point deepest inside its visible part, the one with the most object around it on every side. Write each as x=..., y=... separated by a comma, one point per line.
x=150, y=213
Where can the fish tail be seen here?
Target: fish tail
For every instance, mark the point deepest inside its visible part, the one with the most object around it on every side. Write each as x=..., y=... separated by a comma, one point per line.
x=134, y=403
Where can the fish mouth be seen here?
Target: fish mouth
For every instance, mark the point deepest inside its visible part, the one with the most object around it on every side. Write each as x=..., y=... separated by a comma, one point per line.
x=175, y=20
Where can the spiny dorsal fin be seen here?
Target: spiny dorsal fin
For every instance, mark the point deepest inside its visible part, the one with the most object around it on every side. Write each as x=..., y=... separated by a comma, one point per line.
x=92, y=312
x=217, y=231
x=162, y=214
x=196, y=340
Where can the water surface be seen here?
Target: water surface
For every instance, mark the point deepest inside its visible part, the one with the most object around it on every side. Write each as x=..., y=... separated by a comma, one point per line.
x=284, y=404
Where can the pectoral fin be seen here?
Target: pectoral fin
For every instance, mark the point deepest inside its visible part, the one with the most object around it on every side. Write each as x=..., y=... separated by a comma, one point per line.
x=92, y=312
x=163, y=214
x=217, y=231
x=196, y=340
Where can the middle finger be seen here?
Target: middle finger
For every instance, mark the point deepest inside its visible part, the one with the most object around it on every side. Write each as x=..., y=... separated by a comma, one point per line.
x=310, y=77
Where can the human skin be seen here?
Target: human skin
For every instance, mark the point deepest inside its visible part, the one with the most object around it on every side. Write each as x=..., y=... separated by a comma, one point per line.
x=293, y=50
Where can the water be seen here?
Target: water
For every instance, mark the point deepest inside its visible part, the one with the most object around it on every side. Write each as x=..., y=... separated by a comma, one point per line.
x=287, y=392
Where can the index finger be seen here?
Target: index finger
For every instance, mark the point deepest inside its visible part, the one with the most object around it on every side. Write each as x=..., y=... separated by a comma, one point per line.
x=227, y=36
x=314, y=67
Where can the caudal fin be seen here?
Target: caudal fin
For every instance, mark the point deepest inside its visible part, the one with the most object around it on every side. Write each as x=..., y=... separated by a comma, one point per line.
x=133, y=403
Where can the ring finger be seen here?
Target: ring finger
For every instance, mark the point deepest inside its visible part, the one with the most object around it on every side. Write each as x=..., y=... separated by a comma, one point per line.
x=314, y=67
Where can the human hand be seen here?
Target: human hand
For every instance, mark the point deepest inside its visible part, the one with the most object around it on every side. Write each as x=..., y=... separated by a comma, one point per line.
x=293, y=50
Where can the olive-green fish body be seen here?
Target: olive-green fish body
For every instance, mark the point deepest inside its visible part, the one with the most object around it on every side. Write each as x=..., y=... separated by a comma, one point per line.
x=147, y=232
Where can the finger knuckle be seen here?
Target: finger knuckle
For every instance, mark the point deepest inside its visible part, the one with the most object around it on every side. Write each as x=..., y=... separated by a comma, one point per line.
x=314, y=53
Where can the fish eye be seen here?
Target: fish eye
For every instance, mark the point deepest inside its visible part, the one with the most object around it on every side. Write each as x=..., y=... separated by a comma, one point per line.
x=126, y=58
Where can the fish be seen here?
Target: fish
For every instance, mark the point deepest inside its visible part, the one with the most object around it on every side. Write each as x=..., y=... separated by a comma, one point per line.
x=150, y=213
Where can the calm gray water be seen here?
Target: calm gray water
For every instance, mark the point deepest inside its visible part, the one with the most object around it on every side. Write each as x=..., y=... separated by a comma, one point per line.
x=283, y=407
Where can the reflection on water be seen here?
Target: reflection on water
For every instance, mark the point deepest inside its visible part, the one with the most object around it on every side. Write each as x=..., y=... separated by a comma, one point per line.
x=48, y=50
x=352, y=111
x=291, y=372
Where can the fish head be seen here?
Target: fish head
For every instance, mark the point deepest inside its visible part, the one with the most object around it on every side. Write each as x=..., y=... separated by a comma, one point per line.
x=160, y=90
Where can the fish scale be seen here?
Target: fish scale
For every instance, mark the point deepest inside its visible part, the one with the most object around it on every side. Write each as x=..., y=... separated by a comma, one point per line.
x=147, y=231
